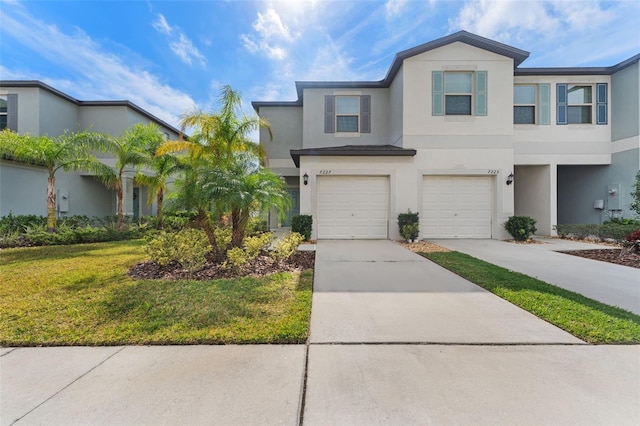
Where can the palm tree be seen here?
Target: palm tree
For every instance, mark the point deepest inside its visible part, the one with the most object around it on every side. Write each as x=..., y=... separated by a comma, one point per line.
x=128, y=150
x=162, y=167
x=243, y=187
x=69, y=151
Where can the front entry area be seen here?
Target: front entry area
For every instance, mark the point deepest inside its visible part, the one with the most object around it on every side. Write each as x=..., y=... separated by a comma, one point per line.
x=456, y=207
x=353, y=207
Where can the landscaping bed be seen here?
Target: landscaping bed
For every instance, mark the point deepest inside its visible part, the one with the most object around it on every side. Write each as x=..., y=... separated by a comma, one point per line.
x=611, y=255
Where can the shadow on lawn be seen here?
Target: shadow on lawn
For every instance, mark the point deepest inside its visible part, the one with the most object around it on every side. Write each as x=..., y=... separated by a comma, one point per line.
x=30, y=254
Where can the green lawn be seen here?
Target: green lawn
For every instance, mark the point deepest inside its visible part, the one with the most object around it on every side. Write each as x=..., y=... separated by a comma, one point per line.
x=585, y=318
x=81, y=295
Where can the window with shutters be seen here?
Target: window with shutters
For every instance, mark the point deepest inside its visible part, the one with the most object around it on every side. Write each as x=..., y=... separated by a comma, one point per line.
x=459, y=93
x=580, y=103
x=4, y=109
x=347, y=114
x=531, y=103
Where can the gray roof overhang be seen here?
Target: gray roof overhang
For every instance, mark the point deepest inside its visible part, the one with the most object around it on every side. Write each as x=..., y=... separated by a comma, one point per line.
x=352, y=151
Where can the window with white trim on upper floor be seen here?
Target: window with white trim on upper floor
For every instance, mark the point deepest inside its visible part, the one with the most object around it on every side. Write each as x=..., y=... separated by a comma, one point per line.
x=9, y=112
x=576, y=103
x=347, y=114
x=531, y=103
x=459, y=93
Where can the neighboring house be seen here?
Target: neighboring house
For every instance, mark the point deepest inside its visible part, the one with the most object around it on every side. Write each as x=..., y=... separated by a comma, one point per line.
x=36, y=108
x=458, y=132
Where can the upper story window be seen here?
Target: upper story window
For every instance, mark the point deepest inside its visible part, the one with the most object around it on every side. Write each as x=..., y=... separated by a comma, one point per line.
x=579, y=105
x=524, y=104
x=4, y=109
x=459, y=93
x=347, y=114
x=576, y=103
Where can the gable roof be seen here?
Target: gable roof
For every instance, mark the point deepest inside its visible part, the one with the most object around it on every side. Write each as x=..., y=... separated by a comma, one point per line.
x=40, y=85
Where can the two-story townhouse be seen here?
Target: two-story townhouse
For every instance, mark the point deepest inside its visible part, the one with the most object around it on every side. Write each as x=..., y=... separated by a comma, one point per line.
x=37, y=108
x=458, y=132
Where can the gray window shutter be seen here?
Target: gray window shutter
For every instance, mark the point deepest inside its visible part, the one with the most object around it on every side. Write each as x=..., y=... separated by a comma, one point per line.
x=601, y=103
x=480, y=94
x=437, y=93
x=561, y=103
x=329, y=114
x=12, y=112
x=544, y=103
x=365, y=114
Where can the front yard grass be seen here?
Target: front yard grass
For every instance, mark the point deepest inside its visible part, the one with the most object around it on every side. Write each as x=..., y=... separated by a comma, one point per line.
x=585, y=318
x=82, y=295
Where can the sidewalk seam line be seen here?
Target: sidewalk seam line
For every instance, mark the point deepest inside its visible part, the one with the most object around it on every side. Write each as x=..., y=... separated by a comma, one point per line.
x=68, y=385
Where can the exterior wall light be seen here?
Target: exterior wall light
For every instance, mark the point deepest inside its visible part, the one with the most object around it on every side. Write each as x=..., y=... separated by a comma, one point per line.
x=510, y=179
x=305, y=179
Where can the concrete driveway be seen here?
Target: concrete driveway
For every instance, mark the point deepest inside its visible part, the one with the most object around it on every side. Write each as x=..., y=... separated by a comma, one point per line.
x=377, y=291
x=612, y=284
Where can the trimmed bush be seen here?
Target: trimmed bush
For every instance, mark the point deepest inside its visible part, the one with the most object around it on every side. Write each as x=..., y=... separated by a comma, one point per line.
x=287, y=246
x=253, y=246
x=302, y=224
x=188, y=247
x=409, y=225
x=607, y=231
x=521, y=228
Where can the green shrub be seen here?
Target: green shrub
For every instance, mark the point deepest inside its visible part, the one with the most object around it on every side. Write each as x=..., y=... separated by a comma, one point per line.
x=302, y=224
x=253, y=246
x=18, y=223
x=409, y=225
x=256, y=225
x=236, y=258
x=287, y=246
x=521, y=228
x=188, y=247
x=607, y=231
x=622, y=221
x=223, y=237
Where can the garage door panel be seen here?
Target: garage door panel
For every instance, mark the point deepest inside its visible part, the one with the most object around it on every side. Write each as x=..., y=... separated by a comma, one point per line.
x=351, y=207
x=456, y=207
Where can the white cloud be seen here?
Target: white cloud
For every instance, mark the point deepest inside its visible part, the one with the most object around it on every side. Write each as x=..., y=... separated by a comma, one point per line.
x=270, y=35
x=179, y=43
x=394, y=7
x=161, y=25
x=96, y=73
x=185, y=50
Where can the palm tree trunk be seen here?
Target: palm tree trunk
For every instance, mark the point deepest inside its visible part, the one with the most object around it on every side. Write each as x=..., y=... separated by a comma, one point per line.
x=203, y=220
x=51, y=202
x=119, y=198
x=239, y=220
x=160, y=200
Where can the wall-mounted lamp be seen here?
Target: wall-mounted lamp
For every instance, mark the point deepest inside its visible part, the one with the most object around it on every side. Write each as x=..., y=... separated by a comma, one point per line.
x=510, y=179
x=305, y=179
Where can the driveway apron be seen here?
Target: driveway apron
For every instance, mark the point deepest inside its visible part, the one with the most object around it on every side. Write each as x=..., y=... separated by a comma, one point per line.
x=377, y=291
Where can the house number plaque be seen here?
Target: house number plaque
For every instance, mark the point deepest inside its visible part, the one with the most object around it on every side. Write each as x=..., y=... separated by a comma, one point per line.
x=325, y=172
x=492, y=172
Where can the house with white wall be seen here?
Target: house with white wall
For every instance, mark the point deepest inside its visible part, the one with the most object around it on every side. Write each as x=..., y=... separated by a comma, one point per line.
x=36, y=108
x=458, y=131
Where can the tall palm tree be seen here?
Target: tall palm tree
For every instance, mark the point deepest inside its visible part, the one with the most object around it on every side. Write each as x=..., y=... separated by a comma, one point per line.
x=69, y=151
x=128, y=150
x=162, y=168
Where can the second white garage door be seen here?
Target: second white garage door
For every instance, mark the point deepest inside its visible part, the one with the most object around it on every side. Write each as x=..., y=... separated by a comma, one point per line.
x=456, y=207
x=353, y=207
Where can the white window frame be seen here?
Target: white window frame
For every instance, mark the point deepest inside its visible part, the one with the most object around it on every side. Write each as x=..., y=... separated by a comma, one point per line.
x=342, y=132
x=534, y=105
x=582, y=105
x=470, y=94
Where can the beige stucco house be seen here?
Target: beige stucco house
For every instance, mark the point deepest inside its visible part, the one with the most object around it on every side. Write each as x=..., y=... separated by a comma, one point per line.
x=36, y=108
x=458, y=131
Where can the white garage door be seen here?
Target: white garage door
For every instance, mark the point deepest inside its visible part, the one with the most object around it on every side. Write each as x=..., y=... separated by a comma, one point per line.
x=353, y=207
x=456, y=207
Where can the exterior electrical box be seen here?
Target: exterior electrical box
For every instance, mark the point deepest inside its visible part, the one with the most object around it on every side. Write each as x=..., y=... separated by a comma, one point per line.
x=613, y=200
x=598, y=204
x=63, y=201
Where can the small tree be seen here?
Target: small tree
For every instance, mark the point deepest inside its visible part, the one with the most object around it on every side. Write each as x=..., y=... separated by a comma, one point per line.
x=69, y=151
x=635, y=195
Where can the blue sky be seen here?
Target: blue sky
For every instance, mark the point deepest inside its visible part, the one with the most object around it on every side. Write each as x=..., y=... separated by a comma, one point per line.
x=169, y=57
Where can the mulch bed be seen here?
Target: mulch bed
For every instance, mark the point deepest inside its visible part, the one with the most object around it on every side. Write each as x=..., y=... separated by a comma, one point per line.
x=262, y=265
x=629, y=258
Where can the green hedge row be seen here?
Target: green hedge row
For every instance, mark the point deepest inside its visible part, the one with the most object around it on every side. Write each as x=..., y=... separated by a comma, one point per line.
x=606, y=231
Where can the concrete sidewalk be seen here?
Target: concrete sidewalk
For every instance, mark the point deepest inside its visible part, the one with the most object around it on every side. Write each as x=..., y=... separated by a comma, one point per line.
x=612, y=284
